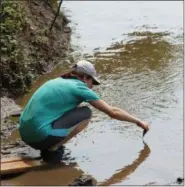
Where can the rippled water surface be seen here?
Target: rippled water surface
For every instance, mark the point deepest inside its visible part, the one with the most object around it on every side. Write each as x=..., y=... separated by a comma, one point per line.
x=137, y=48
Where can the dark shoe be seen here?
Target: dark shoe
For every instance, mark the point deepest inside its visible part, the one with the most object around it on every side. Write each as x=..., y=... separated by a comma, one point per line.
x=53, y=156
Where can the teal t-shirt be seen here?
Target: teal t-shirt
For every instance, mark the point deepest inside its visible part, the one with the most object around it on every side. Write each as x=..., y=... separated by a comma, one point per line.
x=48, y=103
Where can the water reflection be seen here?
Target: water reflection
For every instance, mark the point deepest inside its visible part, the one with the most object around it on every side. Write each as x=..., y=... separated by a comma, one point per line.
x=124, y=172
x=63, y=174
x=67, y=172
x=143, y=50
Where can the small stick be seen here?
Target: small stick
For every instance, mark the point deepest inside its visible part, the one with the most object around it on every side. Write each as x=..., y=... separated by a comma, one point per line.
x=144, y=132
x=58, y=11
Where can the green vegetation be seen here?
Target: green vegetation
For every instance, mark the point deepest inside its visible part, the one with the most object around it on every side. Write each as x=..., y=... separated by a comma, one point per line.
x=12, y=61
x=28, y=48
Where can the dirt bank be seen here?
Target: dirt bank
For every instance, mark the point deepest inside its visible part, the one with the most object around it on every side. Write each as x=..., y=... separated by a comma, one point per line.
x=28, y=50
x=8, y=126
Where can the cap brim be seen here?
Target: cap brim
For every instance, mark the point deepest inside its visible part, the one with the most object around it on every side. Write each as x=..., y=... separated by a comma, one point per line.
x=96, y=81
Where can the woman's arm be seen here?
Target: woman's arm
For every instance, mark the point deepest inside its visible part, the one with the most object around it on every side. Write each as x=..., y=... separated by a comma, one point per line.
x=118, y=113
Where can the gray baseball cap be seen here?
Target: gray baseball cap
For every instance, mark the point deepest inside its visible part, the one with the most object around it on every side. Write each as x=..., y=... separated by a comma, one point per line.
x=88, y=68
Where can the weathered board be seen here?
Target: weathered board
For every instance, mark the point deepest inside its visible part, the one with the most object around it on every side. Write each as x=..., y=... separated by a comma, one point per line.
x=19, y=164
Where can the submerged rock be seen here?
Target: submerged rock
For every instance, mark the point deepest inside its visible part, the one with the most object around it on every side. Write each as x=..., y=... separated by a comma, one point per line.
x=8, y=106
x=180, y=180
x=7, y=127
x=17, y=149
x=83, y=180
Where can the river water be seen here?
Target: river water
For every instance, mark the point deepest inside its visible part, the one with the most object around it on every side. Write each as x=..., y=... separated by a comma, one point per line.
x=137, y=48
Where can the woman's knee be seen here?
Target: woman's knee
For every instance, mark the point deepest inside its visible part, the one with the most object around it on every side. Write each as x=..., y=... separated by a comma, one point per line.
x=72, y=118
x=87, y=111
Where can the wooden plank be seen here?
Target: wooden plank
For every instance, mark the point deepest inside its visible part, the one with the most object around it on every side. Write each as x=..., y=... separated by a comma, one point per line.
x=18, y=164
x=18, y=158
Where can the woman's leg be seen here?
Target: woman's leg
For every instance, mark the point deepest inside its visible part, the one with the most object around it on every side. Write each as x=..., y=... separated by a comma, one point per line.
x=77, y=129
x=43, y=146
x=72, y=122
x=72, y=118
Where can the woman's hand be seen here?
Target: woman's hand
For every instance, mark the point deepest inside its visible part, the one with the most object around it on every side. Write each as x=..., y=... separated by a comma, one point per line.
x=143, y=125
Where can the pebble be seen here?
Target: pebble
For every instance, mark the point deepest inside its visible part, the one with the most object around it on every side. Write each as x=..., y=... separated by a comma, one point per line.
x=83, y=181
x=180, y=180
x=5, y=152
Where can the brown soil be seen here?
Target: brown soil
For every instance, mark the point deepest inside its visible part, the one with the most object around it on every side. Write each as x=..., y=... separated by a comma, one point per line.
x=29, y=49
x=39, y=51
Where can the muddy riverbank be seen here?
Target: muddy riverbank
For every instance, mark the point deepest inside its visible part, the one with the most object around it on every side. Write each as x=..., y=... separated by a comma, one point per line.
x=29, y=49
x=9, y=126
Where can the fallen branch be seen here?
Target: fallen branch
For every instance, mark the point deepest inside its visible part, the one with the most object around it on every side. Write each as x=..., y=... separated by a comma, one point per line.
x=58, y=11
